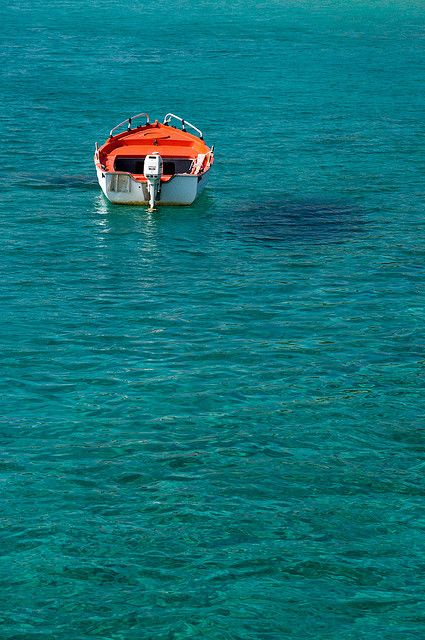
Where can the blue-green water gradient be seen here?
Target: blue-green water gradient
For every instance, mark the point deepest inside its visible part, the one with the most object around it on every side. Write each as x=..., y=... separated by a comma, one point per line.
x=212, y=417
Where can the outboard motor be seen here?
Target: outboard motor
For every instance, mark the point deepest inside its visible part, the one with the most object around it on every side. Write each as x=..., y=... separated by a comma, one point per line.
x=153, y=173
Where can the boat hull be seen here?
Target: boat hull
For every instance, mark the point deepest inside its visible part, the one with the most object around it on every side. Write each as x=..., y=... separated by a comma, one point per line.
x=123, y=188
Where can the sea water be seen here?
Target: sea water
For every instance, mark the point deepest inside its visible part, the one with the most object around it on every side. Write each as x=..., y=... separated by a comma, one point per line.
x=212, y=416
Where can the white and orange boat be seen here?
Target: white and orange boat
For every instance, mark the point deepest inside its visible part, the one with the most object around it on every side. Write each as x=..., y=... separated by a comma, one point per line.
x=153, y=163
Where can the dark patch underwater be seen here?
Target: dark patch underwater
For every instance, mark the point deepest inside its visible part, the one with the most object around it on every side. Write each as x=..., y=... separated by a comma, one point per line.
x=291, y=220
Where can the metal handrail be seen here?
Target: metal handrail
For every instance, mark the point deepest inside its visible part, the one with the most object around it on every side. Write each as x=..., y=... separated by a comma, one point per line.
x=184, y=122
x=129, y=121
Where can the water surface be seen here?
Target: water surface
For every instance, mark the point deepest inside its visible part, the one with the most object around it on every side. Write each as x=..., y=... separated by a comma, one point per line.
x=212, y=417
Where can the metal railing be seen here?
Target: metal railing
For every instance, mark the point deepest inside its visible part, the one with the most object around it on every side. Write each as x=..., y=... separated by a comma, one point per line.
x=129, y=121
x=184, y=122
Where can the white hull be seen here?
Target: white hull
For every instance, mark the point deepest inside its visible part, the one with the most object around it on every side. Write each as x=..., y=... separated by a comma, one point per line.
x=122, y=188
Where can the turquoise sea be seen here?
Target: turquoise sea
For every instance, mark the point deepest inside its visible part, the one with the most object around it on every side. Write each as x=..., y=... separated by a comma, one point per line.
x=212, y=417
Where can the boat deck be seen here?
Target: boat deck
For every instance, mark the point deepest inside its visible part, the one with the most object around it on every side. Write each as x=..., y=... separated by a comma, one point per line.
x=171, y=143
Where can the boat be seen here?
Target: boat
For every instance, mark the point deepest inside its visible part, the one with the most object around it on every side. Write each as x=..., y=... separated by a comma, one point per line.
x=153, y=163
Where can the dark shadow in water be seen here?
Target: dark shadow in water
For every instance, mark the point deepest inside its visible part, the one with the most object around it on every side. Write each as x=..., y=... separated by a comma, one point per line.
x=289, y=220
x=52, y=181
